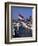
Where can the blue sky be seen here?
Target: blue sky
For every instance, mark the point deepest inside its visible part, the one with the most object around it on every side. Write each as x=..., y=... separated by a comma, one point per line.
x=24, y=11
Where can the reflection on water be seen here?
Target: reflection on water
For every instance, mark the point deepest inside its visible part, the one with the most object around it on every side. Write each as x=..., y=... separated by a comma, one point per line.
x=21, y=32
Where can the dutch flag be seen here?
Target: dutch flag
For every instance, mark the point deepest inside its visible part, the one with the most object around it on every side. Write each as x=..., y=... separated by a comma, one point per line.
x=20, y=17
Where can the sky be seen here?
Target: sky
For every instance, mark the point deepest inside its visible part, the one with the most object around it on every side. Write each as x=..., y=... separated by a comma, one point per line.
x=24, y=11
